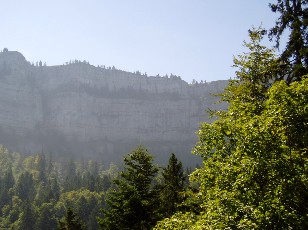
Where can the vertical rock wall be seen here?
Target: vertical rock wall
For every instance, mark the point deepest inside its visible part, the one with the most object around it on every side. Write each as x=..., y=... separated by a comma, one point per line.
x=79, y=109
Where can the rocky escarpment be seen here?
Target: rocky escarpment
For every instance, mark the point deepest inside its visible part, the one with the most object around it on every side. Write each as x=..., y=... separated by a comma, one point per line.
x=95, y=112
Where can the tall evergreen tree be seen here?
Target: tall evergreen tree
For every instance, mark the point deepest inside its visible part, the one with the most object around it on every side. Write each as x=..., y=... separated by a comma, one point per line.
x=24, y=188
x=6, y=183
x=46, y=217
x=71, y=178
x=293, y=18
x=26, y=219
x=133, y=204
x=173, y=185
x=41, y=167
x=55, y=189
x=71, y=221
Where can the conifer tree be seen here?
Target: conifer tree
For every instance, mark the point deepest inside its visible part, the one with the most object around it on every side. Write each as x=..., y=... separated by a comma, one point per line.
x=294, y=19
x=26, y=219
x=41, y=167
x=46, y=218
x=71, y=221
x=133, y=204
x=173, y=185
x=24, y=188
x=6, y=183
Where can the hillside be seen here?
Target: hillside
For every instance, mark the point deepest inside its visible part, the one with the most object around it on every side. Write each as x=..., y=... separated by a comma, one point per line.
x=102, y=113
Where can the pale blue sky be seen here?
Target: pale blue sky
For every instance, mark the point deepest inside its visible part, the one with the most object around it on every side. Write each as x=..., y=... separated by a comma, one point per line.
x=191, y=38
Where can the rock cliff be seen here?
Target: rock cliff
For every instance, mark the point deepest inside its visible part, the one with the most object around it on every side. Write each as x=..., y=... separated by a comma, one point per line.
x=96, y=112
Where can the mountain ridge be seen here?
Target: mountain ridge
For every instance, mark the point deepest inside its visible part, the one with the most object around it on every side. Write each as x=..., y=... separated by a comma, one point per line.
x=80, y=109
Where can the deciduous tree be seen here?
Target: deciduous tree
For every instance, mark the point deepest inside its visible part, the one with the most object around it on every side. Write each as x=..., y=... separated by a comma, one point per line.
x=255, y=173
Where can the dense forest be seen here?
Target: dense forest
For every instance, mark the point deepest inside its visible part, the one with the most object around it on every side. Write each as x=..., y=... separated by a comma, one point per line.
x=39, y=193
x=255, y=159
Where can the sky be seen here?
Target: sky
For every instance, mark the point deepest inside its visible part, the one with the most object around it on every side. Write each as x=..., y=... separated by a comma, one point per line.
x=194, y=39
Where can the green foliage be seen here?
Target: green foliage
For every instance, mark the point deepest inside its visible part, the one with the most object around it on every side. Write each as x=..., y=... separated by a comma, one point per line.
x=191, y=199
x=71, y=221
x=41, y=167
x=33, y=187
x=256, y=71
x=46, y=218
x=172, y=187
x=179, y=221
x=259, y=180
x=26, y=220
x=84, y=203
x=24, y=187
x=132, y=205
x=293, y=19
x=257, y=176
x=255, y=173
x=6, y=183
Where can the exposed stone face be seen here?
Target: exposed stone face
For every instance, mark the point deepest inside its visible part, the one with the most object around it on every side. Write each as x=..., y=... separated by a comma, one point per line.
x=96, y=112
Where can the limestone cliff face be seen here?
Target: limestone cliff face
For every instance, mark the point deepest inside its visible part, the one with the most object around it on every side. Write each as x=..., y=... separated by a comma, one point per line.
x=96, y=112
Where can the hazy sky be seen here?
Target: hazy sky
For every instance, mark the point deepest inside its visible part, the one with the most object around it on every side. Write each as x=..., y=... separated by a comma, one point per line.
x=190, y=38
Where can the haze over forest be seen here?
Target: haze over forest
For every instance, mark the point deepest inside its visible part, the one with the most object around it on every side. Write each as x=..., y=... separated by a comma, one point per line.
x=102, y=146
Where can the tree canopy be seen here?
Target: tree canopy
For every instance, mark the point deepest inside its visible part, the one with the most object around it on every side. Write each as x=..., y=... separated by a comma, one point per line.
x=293, y=18
x=132, y=204
x=255, y=173
x=255, y=159
x=173, y=185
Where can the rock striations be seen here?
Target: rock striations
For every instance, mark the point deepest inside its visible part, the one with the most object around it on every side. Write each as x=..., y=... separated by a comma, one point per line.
x=100, y=113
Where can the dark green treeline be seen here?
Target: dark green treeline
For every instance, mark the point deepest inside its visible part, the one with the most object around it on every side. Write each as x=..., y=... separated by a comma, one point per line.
x=39, y=193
